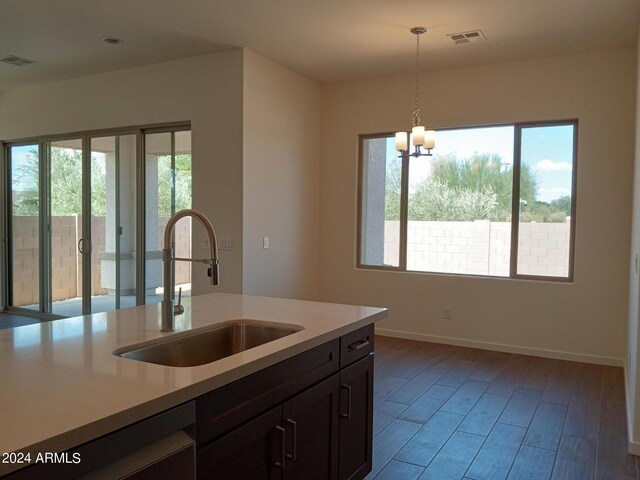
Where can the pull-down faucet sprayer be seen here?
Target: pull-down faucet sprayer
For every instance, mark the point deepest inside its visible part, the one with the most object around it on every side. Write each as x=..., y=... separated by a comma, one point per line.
x=168, y=309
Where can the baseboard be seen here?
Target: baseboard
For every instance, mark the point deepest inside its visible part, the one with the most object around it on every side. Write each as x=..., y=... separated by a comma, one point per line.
x=537, y=352
x=634, y=448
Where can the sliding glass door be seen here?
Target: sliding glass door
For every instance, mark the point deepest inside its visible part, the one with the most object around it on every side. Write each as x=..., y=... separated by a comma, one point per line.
x=80, y=209
x=113, y=222
x=24, y=226
x=45, y=188
x=168, y=190
x=63, y=222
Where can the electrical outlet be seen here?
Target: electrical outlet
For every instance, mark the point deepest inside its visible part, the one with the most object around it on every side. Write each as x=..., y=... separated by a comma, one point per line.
x=446, y=313
x=265, y=242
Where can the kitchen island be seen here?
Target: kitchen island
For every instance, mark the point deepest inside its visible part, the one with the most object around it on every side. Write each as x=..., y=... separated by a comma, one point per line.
x=62, y=387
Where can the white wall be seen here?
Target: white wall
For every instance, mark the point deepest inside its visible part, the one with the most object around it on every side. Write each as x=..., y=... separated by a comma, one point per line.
x=206, y=90
x=633, y=367
x=281, y=151
x=584, y=320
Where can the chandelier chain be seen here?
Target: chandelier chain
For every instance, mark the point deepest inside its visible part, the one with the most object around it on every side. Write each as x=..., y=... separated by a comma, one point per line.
x=415, y=117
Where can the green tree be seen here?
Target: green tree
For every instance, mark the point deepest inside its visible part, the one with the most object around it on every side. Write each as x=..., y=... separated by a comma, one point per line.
x=25, y=187
x=66, y=184
x=475, y=188
x=562, y=204
x=541, y=212
x=183, y=184
x=392, y=187
x=476, y=173
x=435, y=201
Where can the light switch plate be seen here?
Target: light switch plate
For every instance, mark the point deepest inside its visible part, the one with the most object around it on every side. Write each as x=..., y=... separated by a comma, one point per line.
x=225, y=243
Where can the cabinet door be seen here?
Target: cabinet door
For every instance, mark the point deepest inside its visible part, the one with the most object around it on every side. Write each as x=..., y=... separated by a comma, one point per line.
x=311, y=422
x=253, y=451
x=356, y=419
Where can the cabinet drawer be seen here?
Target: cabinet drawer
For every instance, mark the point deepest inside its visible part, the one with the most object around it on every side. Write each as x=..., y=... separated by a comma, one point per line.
x=227, y=407
x=356, y=345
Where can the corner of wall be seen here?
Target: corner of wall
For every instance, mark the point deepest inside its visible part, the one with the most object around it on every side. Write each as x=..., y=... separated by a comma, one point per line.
x=632, y=367
x=280, y=183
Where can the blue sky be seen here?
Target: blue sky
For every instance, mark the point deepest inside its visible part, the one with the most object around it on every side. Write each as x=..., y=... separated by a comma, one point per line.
x=549, y=151
x=19, y=158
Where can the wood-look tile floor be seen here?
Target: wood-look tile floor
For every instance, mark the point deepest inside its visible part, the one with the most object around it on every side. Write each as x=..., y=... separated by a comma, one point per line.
x=444, y=412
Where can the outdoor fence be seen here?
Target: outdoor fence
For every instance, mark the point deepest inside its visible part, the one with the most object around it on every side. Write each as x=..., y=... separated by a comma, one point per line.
x=66, y=261
x=480, y=247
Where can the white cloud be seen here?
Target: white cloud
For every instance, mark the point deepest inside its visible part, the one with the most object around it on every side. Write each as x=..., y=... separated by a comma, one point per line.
x=551, y=166
x=555, y=190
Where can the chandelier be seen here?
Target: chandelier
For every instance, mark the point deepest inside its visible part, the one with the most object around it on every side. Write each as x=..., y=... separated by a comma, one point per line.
x=421, y=138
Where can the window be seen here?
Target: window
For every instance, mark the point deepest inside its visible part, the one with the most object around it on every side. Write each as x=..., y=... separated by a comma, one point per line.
x=492, y=201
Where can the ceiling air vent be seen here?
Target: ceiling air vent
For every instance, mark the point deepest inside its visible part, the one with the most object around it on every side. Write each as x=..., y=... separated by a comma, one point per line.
x=466, y=37
x=15, y=60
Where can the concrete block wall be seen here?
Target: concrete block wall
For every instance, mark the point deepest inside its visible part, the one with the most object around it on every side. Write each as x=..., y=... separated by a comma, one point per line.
x=25, y=260
x=481, y=247
x=66, y=262
x=65, y=259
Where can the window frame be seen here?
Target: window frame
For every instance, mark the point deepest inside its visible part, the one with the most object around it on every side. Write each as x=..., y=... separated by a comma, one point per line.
x=515, y=205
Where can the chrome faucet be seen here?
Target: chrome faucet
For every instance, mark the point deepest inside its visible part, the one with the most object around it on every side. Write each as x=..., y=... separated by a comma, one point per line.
x=169, y=311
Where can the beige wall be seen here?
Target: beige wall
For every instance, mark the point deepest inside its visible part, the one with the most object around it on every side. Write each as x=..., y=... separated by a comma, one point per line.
x=206, y=90
x=263, y=182
x=633, y=367
x=585, y=319
x=281, y=152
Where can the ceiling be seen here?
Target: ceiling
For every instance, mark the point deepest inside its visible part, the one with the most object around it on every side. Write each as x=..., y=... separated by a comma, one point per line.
x=325, y=40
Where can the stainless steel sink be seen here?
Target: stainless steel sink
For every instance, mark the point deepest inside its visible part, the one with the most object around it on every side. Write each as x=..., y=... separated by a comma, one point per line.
x=206, y=345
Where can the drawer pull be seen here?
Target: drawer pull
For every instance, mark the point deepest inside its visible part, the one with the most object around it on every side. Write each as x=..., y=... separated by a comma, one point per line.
x=357, y=345
x=348, y=389
x=282, y=454
x=293, y=455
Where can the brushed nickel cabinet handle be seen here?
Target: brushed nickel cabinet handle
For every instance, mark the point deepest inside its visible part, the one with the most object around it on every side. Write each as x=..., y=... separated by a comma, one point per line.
x=348, y=389
x=357, y=345
x=293, y=454
x=282, y=452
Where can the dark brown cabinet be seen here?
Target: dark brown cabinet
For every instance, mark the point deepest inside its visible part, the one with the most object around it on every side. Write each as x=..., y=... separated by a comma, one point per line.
x=296, y=440
x=320, y=428
x=311, y=433
x=356, y=419
x=253, y=450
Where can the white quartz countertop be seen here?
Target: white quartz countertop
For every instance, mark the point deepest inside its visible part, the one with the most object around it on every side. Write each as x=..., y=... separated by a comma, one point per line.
x=60, y=384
